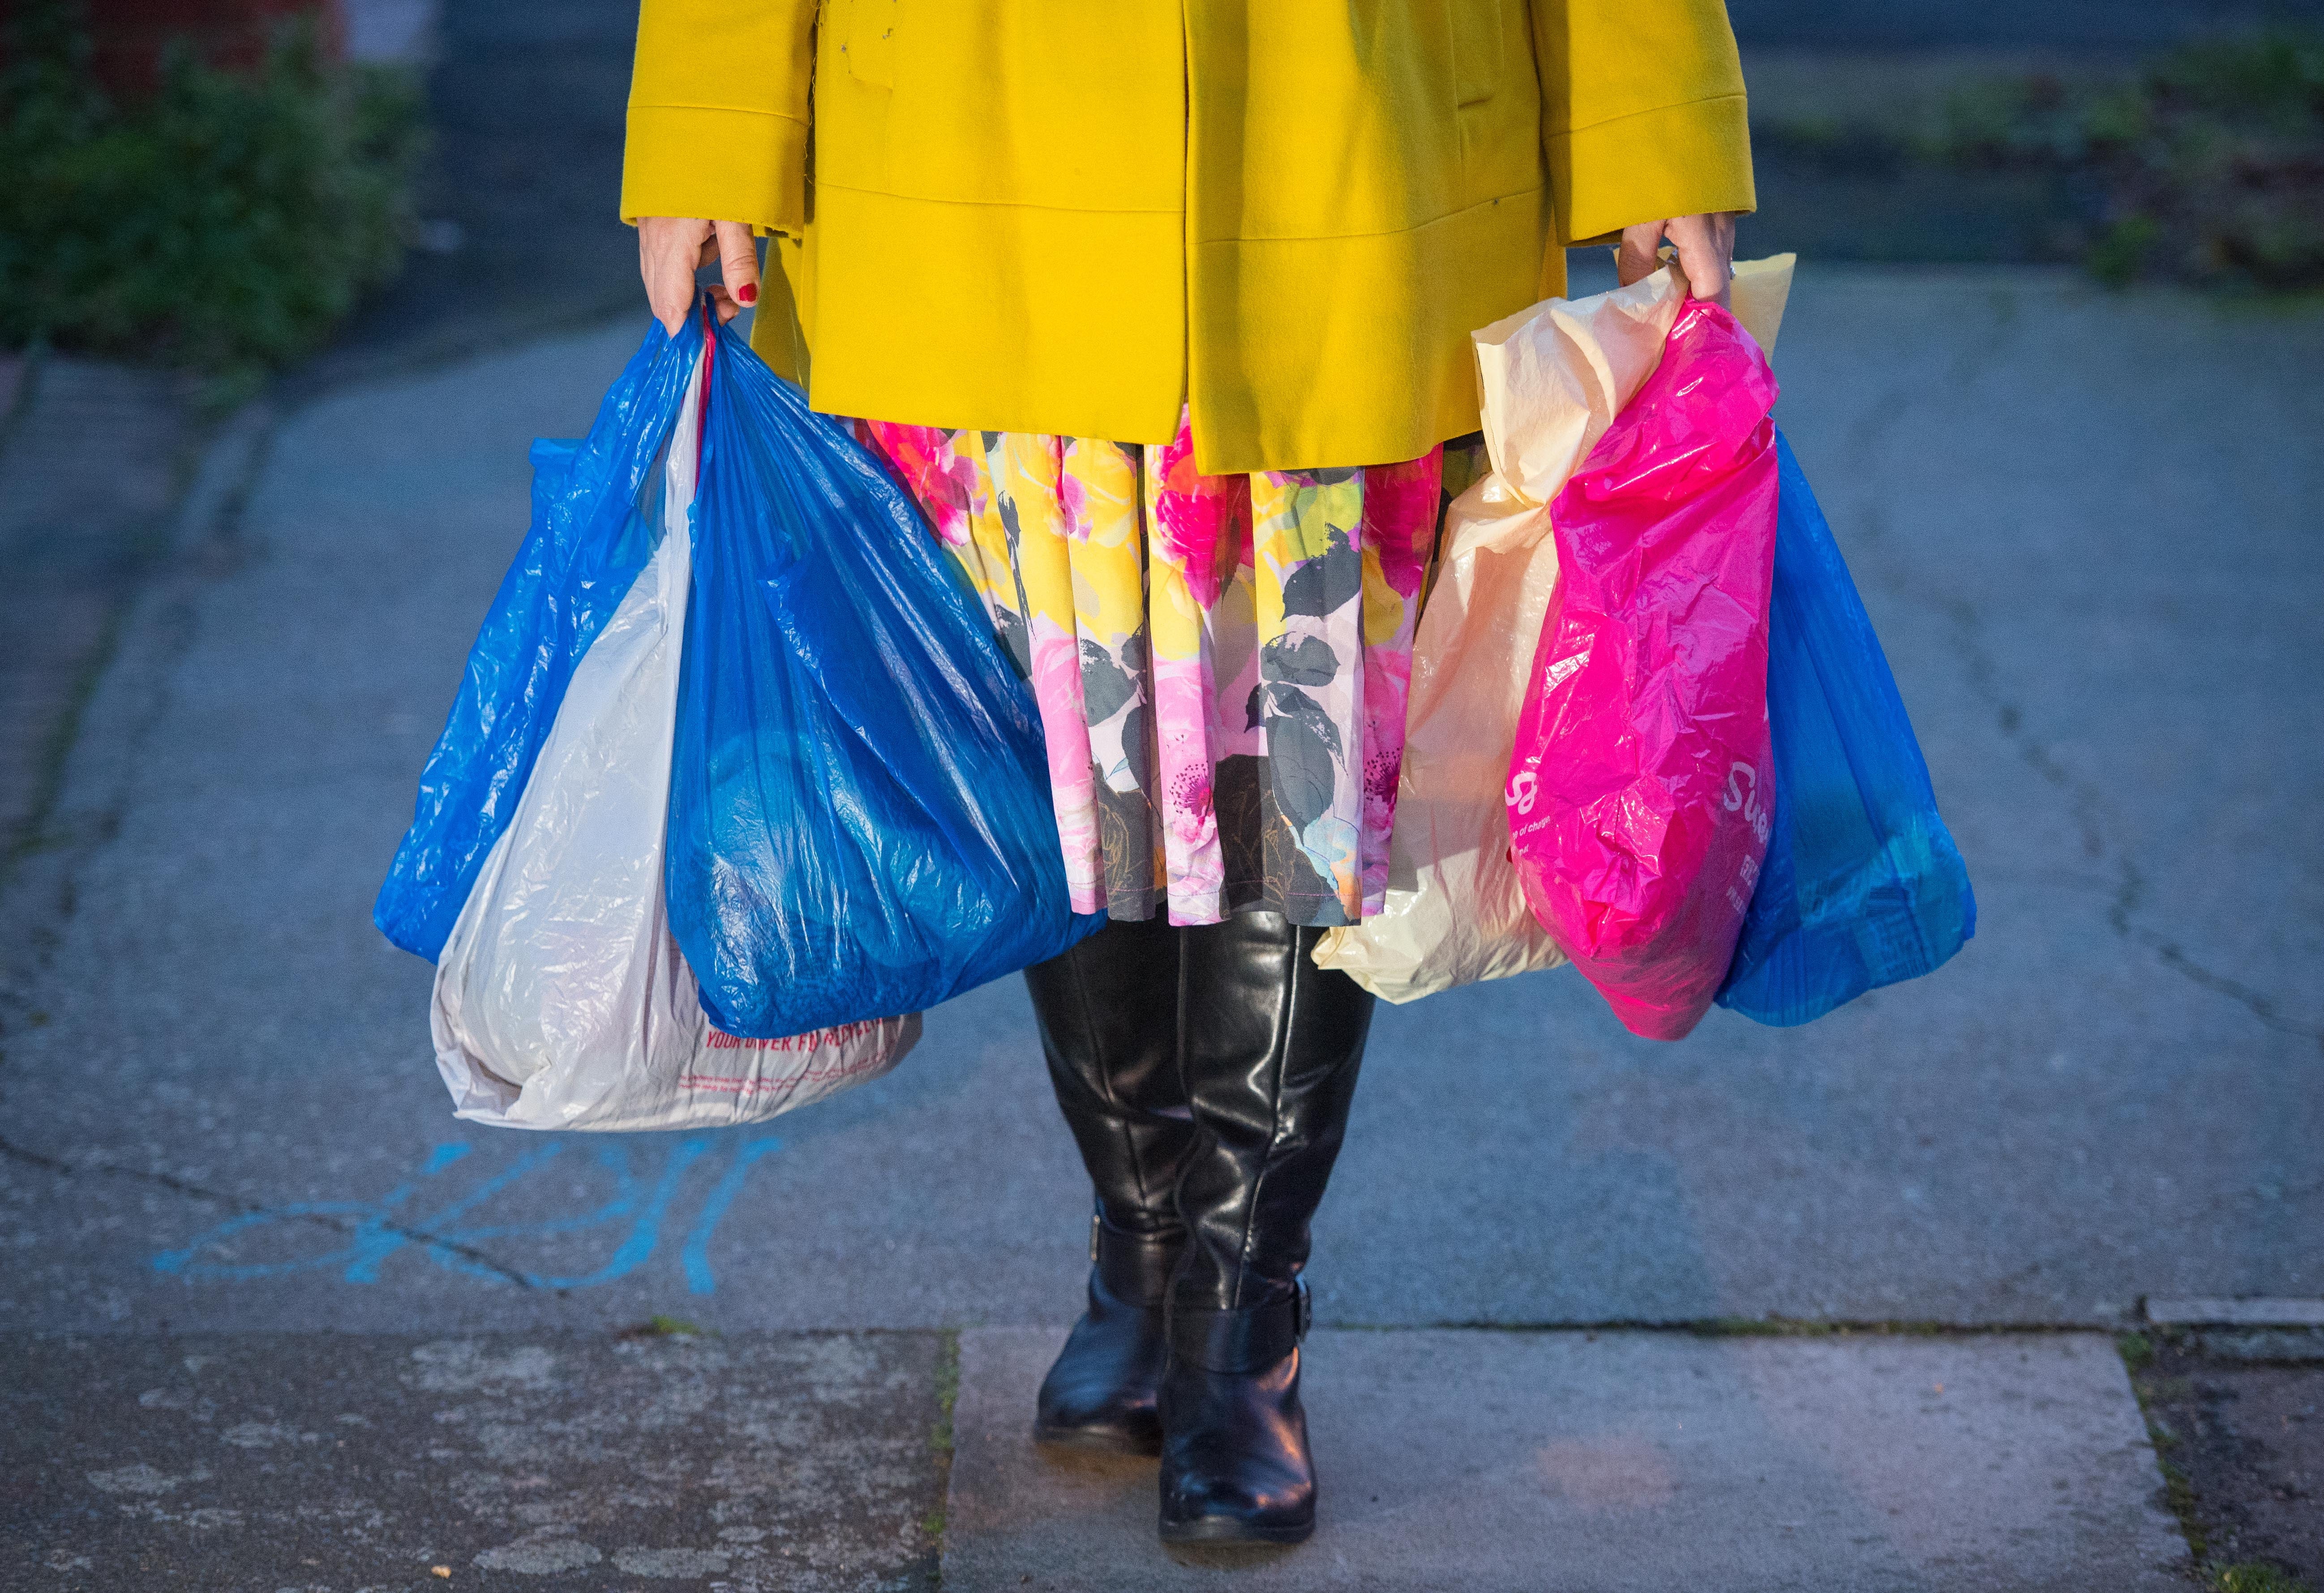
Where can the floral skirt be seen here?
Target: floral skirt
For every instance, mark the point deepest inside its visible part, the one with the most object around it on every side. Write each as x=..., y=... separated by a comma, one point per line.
x=1220, y=662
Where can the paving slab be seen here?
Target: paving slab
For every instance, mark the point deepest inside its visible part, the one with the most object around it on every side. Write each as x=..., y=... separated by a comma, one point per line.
x=221, y=1112
x=1483, y=1462
x=2302, y=1347
x=328, y=1463
x=2238, y=1313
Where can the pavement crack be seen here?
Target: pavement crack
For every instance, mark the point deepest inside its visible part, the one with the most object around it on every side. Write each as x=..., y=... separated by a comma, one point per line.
x=2091, y=813
x=2127, y=895
x=242, y=1208
x=2088, y=803
x=2259, y=1004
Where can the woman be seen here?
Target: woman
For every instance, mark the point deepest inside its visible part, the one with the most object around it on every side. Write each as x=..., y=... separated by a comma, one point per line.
x=1161, y=308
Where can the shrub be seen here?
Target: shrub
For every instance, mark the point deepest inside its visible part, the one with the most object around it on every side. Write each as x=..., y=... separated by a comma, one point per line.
x=2256, y=1577
x=227, y=223
x=2213, y=160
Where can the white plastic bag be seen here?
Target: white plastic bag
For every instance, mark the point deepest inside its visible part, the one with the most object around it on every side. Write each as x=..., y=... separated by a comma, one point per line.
x=561, y=999
x=1552, y=380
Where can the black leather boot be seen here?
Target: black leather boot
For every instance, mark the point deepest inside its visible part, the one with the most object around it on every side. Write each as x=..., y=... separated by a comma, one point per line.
x=1269, y=1045
x=1109, y=1016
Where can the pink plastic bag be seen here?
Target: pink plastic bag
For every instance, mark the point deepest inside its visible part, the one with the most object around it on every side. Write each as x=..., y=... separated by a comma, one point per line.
x=1639, y=787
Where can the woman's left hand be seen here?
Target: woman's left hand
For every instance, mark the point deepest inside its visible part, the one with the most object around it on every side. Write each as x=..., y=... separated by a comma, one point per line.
x=1705, y=245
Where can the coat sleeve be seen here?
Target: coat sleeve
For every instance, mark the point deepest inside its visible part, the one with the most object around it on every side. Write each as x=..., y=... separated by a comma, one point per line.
x=718, y=112
x=1642, y=112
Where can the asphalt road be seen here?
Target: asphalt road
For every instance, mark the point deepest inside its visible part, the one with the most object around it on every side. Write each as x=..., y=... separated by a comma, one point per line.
x=2085, y=525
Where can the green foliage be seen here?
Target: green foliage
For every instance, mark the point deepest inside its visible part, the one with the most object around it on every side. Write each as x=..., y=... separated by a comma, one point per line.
x=228, y=224
x=2179, y=1493
x=2213, y=159
x=940, y=1432
x=2256, y=1577
x=2120, y=255
x=2014, y=122
x=940, y=1436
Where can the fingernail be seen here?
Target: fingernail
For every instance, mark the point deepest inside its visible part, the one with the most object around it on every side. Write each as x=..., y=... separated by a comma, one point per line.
x=748, y=293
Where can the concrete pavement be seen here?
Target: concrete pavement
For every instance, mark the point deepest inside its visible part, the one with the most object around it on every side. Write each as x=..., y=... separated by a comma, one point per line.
x=1482, y=1462
x=1477, y=1462
x=259, y=1461
x=2085, y=525
x=73, y=557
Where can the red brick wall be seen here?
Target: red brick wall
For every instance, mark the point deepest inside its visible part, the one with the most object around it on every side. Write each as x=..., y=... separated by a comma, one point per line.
x=129, y=34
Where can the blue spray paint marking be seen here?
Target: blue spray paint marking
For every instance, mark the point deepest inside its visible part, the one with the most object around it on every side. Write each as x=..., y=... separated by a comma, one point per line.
x=697, y=1253
x=440, y=1224
x=380, y=1229
x=374, y=1218
x=645, y=1232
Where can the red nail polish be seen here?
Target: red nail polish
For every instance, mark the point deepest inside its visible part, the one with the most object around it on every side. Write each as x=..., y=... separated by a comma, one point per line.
x=748, y=293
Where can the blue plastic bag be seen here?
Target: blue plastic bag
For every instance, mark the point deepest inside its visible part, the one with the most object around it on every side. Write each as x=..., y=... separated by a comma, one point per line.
x=1862, y=886
x=596, y=520
x=860, y=818
x=858, y=823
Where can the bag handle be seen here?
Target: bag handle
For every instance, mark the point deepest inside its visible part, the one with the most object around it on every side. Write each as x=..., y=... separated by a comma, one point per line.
x=709, y=356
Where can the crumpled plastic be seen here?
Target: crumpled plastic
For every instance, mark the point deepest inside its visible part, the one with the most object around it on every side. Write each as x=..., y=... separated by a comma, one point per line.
x=1552, y=378
x=1862, y=886
x=596, y=520
x=738, y=781
x=860, y=817
x=561, y=999
x=1639, y=787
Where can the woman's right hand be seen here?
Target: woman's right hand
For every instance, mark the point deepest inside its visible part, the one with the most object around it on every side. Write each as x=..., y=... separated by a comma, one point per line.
x=1705, y=245
x=672, y=248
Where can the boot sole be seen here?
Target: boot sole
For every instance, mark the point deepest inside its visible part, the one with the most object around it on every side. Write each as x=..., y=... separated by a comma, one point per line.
x=1225, y=1529
x=1096, y=1442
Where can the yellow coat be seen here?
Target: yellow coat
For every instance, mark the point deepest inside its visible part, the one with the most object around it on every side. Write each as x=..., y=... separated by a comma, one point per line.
x=1075, y=215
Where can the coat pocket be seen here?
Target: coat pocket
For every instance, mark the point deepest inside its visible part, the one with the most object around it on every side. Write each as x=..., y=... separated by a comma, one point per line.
x=1477, y=49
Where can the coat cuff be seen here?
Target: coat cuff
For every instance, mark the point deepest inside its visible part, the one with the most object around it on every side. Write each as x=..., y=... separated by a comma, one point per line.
x=717, y=162
x=1685, y=159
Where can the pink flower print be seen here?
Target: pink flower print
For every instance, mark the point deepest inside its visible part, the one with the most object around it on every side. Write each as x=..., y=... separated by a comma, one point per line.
x=922, y=458
x=1190, y=797
x=1190, y=830
x=1058, y=689
x=1073, y=501
x=1400, y=517
x=1200, y=522
x=1387, y=689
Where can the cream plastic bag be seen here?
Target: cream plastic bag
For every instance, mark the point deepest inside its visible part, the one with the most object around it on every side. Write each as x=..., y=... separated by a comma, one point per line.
x=1553, y=379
